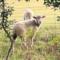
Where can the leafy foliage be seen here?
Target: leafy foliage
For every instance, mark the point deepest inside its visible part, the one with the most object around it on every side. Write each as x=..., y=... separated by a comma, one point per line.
x=1, y=0
x=4, y=13
x=58, y=18
x=54, y=3
x=4, y=22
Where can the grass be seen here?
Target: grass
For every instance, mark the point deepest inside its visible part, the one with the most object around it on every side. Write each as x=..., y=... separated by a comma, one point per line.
x=47, y=41
x=46, y=46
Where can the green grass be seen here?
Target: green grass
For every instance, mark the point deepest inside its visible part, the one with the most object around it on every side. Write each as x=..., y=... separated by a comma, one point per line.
x=47, y=38
x=46, y=45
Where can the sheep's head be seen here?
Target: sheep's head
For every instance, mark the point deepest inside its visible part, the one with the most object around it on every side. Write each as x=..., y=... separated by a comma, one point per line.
x=38, y=19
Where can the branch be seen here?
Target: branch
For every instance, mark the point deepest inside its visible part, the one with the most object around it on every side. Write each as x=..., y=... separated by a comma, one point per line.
x=10, y=49
x=6, y=31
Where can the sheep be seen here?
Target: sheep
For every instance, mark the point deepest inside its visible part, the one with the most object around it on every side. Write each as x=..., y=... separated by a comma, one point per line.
x=20, y=27
x=28, y=14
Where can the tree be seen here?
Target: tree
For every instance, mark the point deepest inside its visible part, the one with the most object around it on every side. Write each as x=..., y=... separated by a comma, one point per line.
x=54, y=3
x=4, y=22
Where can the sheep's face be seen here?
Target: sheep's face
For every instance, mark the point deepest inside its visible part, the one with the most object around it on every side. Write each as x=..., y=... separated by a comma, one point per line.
x=37, y=19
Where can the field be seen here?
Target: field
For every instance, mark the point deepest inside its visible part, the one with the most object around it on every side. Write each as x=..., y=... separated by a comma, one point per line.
x=47, y=41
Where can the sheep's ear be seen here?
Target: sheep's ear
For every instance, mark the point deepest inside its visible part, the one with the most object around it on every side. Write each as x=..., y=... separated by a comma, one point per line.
x=34, y=17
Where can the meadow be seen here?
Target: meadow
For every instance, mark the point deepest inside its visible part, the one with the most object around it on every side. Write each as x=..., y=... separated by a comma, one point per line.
x=47, y=41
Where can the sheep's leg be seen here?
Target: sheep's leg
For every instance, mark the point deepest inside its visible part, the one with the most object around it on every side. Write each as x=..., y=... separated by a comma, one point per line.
x=23, y=44
x=24, y=38
x=34, y=33
x=25, y=41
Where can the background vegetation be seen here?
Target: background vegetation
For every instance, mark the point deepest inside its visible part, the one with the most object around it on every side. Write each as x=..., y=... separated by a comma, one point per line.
x=47, y=41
